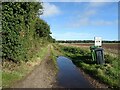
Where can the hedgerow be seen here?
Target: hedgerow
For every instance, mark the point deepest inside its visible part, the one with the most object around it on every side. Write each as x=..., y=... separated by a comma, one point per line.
x=19, y=30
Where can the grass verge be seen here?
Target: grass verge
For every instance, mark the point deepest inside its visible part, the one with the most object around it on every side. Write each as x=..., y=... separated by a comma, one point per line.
x=55, y=52
x=12, y=72
x=107, y=73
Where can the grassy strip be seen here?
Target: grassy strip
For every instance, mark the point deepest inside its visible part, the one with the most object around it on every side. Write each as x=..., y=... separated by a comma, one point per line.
x=55, y=52
x=108, y=73
x=13, y=72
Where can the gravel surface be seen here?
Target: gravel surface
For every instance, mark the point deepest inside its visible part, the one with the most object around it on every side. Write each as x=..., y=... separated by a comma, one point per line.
x=43, y=76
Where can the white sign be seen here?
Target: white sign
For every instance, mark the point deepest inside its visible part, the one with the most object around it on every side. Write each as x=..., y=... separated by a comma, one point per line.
x=98, y=41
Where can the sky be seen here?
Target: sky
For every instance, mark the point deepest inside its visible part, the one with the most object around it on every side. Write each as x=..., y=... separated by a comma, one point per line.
x=82, y=20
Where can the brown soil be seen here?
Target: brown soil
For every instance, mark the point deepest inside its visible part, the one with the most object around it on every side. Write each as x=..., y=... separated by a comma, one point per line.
x=43, y=76
x=104, y=45
x=94, y=82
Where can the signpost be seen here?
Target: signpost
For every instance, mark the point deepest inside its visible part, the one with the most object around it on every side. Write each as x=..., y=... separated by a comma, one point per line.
x=98, y=41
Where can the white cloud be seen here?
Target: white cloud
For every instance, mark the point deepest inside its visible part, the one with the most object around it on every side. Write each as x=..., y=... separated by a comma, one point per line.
x=81, y=22
x=87, y=14
x=102, y=22
x=90, y=13
x=92, y=10
x=71, y=36
x=87, y=21
x=50, y=10
x=93, y=5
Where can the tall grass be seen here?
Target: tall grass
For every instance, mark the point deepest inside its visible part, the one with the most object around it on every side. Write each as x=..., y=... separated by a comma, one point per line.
x=107, y=73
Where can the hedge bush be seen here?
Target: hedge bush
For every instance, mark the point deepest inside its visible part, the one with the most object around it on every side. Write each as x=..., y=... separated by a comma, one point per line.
x=19, y=30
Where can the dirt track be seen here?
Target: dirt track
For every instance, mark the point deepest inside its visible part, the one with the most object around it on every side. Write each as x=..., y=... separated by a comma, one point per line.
x=43, y=76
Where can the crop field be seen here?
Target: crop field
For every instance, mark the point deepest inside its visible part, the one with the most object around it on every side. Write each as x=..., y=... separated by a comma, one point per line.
x=111, y=48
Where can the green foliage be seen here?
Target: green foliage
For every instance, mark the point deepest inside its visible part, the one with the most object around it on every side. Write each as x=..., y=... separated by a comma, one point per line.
x=20, y=26
x=42, y=28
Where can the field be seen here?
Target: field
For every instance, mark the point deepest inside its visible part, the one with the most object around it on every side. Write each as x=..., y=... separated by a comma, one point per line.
x=81, y=57
x=111, y=48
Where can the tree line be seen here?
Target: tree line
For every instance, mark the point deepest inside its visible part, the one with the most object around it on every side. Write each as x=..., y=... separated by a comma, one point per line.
x=23, y=32
x=84, y=41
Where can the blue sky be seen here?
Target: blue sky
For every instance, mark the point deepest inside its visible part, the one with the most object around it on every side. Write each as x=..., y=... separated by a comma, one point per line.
x=82, y=20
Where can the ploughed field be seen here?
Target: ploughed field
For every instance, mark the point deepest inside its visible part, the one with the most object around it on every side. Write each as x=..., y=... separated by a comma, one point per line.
x=111, y=48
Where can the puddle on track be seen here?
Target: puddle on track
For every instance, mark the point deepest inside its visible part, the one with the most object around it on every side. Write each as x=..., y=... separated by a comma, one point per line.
x=69, y=76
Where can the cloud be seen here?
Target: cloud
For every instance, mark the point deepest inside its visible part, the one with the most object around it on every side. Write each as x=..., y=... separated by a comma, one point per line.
x=50, y=10
x=87, y=13
x=90, y=13
x=87, y=21
x=92, y=8
x=81, y=22
x=103, y=22
x=71, y=36
x=97, y=4
x=87, y=17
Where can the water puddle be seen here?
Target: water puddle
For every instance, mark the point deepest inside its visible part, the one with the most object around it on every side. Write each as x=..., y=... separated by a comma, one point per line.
x=69, y=76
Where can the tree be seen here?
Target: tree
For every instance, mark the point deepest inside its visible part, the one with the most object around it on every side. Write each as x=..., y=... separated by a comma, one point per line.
x=42, y=28
x=18, y=20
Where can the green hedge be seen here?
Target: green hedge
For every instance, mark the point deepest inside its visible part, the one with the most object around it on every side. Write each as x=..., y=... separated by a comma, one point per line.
x=20, y=39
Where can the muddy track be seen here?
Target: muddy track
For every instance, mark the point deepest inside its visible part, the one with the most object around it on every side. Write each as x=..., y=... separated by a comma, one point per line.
x=43, y=76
